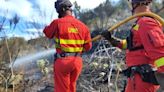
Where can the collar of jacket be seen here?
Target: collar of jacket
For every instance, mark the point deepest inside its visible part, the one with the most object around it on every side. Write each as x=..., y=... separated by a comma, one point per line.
x=68, y=16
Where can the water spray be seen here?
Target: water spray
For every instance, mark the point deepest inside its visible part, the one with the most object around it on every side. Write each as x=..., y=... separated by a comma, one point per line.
x=32, y=57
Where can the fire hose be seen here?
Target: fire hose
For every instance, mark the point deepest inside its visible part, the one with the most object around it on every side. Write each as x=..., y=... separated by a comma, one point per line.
x=161, y=20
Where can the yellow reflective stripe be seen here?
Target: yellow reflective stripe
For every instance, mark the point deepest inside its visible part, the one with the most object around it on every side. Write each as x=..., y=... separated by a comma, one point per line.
x=66, y=41
x=159, y=62
x=136, y=27
x=56, y=40
x=63, y=41
x=124, y=44
x=72, y=49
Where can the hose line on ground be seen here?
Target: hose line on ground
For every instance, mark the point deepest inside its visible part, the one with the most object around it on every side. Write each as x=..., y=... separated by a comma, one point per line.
x=161, y=20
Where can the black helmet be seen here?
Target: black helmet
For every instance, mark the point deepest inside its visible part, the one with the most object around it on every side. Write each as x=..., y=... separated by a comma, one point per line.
x=140, y=1
x=62, y=4
x=136, y=3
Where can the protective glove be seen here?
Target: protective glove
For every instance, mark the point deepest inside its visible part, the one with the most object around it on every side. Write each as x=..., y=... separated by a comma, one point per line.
x=106, y=34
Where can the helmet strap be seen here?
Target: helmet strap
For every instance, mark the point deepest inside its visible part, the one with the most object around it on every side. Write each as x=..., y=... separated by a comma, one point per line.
x=62, y=12
x=134, y=6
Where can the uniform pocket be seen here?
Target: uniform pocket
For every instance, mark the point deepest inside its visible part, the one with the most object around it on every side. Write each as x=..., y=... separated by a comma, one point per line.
x=156, y=37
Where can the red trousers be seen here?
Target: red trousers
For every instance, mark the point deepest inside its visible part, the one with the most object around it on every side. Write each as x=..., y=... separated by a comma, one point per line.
x=136, y=84
x=66, y=73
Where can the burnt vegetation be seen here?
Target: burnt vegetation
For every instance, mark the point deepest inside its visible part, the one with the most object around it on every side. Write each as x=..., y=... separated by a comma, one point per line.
x=98, y=63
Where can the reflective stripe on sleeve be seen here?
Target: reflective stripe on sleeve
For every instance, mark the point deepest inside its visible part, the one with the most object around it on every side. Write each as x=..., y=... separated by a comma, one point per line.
x=124, y=44
x=136, y=27
x=159, y=62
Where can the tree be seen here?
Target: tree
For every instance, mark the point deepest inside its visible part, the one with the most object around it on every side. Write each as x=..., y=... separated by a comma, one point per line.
x=76, y=9
x=6, y=71
x=159, y=8
x=39, y=22
x=99, y=17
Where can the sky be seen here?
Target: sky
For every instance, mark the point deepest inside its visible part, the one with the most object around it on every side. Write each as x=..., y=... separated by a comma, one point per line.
x=28, y=12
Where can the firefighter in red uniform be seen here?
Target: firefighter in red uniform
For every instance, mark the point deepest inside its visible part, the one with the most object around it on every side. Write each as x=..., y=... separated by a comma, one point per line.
x=70, y=36
x=145, y=50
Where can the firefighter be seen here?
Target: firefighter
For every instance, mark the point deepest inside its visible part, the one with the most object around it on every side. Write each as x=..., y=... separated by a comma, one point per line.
x=145, y=50
x=70, y=36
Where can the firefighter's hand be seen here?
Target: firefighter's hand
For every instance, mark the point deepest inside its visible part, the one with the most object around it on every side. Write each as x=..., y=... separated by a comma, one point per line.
x=106, y=34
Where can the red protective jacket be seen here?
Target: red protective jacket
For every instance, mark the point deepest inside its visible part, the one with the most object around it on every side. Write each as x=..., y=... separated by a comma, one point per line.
x=148, y=36
x=71, y=37
x=147, y=33
x=153, y=41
